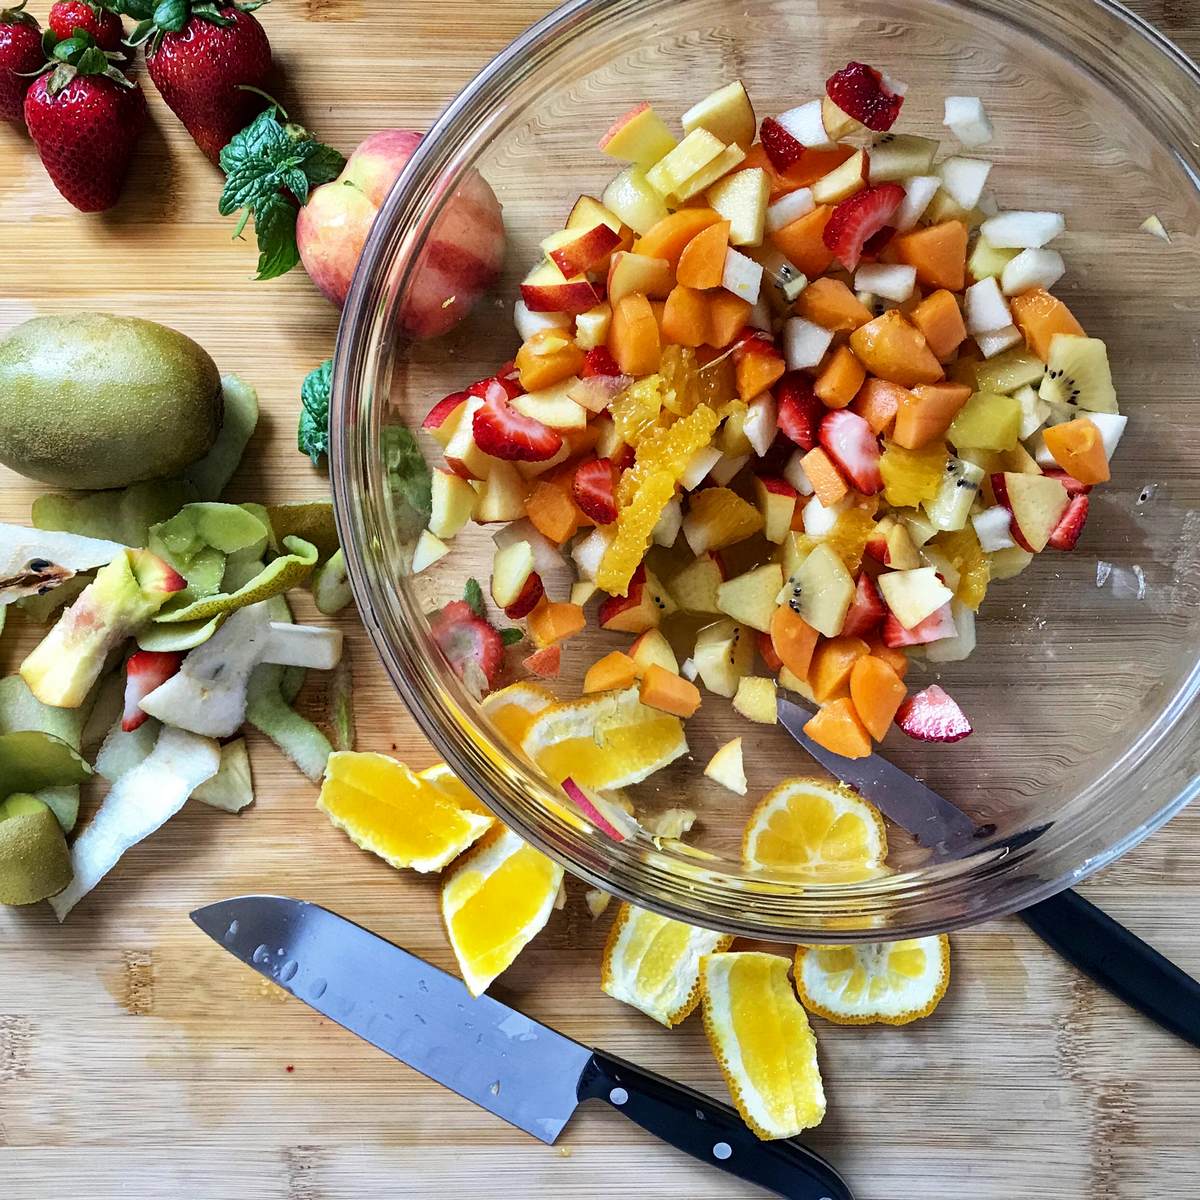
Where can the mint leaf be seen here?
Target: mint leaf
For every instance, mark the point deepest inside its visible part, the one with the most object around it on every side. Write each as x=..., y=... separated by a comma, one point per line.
x=323, y=164
x=410, y=479
x=473, y=595
x=511, y=636
x=313, y=435
x=275, y=229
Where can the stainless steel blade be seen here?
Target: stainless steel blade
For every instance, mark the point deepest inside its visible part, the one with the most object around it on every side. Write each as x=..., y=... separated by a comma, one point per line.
x=492, y=1055
x=935, y=822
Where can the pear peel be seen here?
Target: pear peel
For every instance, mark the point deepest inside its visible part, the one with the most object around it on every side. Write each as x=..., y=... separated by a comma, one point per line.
x=34, y=860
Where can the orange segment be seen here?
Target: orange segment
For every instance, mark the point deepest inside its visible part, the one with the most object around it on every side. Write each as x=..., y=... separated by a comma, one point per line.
x=832, y=305
x=1039, y=316
x=702, y=262
x=876, y=692
x=912, y=476
x=938, y=252
x=894, y=350
x=441, y=777
x=837, y=727
x=513, y=708
x=1079, y=449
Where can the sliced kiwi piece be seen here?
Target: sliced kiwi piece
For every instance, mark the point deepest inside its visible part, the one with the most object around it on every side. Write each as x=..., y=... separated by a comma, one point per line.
x=35, y=863
x=1077, y=373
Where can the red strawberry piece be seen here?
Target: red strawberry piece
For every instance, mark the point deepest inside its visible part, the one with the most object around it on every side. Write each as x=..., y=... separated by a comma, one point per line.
x=863, y=93
x=527, y=599
x=105, y=27
x=1074, y=486
x=469, y=643
x=508, y=383
x=593, y=490
x=867, y=609
x=1070, y=524
x=766, y=651
x=854, y=448
x=858, y=219
x=145, y=670
x=933, y=716
x=545, y=663
x=503, y=432
x=435, y=418
x=599, y=362
x=800, y=412
x=624, y=459
x=781, y=148
x=206, y=62
x=21, y=55
x=936, y=626
x=85, y=118
x=877, y=243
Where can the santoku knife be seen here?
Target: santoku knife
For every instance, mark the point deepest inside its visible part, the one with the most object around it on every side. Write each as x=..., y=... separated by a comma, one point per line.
x=493, y=1055
x=1083, y=934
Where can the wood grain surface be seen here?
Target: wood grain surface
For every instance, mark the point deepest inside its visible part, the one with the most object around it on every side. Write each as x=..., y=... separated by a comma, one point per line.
x=138, y=1060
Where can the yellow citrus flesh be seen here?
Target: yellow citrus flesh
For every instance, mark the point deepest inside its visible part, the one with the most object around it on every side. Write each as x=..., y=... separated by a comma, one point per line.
x=879, y=983
x=635, y=524
x=816, y=825
x=385, y=808
x=910, y=476
x=445, y=780
x=962, y=548
x=495, y=900
x=668, y=450
x=653, y=963
x=848, y=538
x=513, y=708
x=763, y=1042
x=637, y=409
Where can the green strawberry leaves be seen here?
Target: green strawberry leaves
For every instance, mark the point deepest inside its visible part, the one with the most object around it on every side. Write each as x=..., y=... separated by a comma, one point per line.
x=158, y=17
x=266, y=159
x=313, y=435
x=473, y=595
x=76, y=55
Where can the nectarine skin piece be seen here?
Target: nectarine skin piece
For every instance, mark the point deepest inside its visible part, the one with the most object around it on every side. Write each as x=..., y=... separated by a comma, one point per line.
x=938, y=252
x=670, y=236
x=839, y=729
x=668, y=692
x=1039, y=316
x=896, y=351
x=876, y=692
x=794, y=640
x=702, y=261
x=832, y=305
x=633, y=336
x=838, y=383
x=832, y=662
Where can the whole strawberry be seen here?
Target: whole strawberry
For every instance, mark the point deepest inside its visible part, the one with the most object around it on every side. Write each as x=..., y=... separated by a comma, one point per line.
x=85, y=118
x=20, y=56
x=105, y=27
x=209, y=61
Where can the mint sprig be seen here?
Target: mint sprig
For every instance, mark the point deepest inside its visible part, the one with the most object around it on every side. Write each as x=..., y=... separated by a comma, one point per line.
x=270, y=168
x=312, y=437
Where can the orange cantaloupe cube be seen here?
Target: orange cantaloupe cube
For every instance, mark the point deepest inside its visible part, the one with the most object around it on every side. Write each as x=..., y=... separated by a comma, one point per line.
x=685, y=317
x=939, y=253
x=613, y=671
x=832, y=661
x=754, y=373
x=668, y=237
x=892, y=655
x=877, y=402
x=793, y=640
x=547, y=358
x=826, y=479
x=1039, y=316
x=814, y=165
x=553, y=621
x=702, y=261
x=840, y=379
x=940, y=320
x=896, y=351
x=802, y=242
x=876, y=692
x=552, y=512
x=727, y=316
x=837, y=727
x=1079, y=449
x=633, y=336
x=668, y=692
x=927, y=412
x=832, y=305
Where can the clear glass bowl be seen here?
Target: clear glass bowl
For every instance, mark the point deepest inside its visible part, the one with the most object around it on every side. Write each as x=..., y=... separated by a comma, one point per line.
x=1083, y=690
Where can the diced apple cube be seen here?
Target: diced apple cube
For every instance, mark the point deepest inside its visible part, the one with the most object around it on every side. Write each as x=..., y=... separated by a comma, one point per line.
x=632, y=199
x=452, y=501
x=552, y=406
x=511, y=568
x=640, y=137
x=788, y=208
x=991, y=344
x=984, y=308
x=1032, y=269
x=964, y=179
x=820, y=520
x=1023, y=230
x=913, y=595
x=842, y=182
x=727, y=468
x=777, y=502
x=501, y=495
x=1036, y=503
x=741, y=275
x=651, y=649
x=629, y=273
x=919, y=192
x=804, y=343
x=727, y=113
x=794, y=473
x=741, y=198
x=750, y=598
x=528, y=323
x=591, y=327
x=667, y=529
x=727, y=767
x=427, y=551
x=966, y=119
x=992, y=528
x=720, y=166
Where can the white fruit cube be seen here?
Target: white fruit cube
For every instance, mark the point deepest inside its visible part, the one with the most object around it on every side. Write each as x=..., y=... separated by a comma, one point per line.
x=591, y=327
x=1111, y=426
x=964, y=179
x=528, y=323
x=892, y=281
x=919, y=192
x=913, y=595
x=777, y=503
x=820, y=520
x=552, y=406
x=842, y=182
x=741, y=198
x=788, y=208
x=755, y=700
x=632, y=199
x=427, y=550
x=966, y=119
x=741, y=275
x=727, y=113
x=760, y=315
x=992, y=528
x=795, y=474
x=511, y=568
x=820, y=591
x=984, y=307
x=698, y=467
x=453, y=500
x=461, y=450
x=1032, y=269
x=804, y=343
x=1007, y=564
x=727, y=767
x=727, y=468
x=951, y=507
x=590, y=549
x=761, y=423
x=582, y=590
x=999, y=340
x=750, y=598
x=962, y=644
x=666, y=530
x=807, y=125
x=1024, y=230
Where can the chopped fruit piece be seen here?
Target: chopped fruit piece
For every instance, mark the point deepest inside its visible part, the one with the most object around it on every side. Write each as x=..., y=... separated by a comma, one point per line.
x=453, y=500
x=940, y=321
x=852, y=446
x=992, y=526
x=440, y=419
x=987, y=259
x=1008, y=372
x=984, y=308
x=913, y=595
x=553, y=513
x=782, y=149
x=777, y=502
x=927, y=412
x=592, y=488
x=717, y=518
x=633, y=336
x=727, y=316
x=761, y=424
x=576, y=252
x=634, y=201
x=750, y=598
x=964, y=180
x=793, y=640
x=634, y=527
x=757, y=365
x=912, y=476
x=933, y=629
x=888, y=281
x=591, y=327
x=891, y=348
x=650, y=648
x=727, y=113
x=755, y=699
x=1077, y=373
x=832, y=305
x=643, y=608
x=677, y=166
x=1023, y=230
x=803, y=242
x=685, y=317
x=727, y=767
x=513, y=708
x=838, y=729
x=386, y=809
x=547, y=289
x=919, y=192
x=427, y=551
x=806, y=124
x=613, y=671
x=842, y=182
x=938, y=252
x=859, y=218
x=891, y=543
x=966, y=119
x=988, y=421
x=599, y=361
x=961, y=645
x=932, y=716
x=816, y=824
x=1070, y=525
x=629, y=273
x=495, y=900
x=991, y=344
x=877, y=693
x=1036, y=503
x=829, y=674
x=512, y=567
x=1032, y=269
x=1040, y=316
x=839, y=382
x=894, y=657
x=966, y=555
x=664, y=690
x=653, y=963
x=820, y=591
x=741, y=198
x=555, y=621
x=866, y=95
x=544, y=663
x=504, y=433
x=788, y=208
x=529, y=597
x=799, y=409
x=471, y=646
x=1079, y=449
x=723, y=654
x=879, y=983
x=866, y=612
x=673, y=234
x=827, y=481
x=897, y=157
x=144, y=671
x=694, y=589
x=766, y=651
x=639, y=137
x=501, y=495
x=877, y=402
x=701, y=263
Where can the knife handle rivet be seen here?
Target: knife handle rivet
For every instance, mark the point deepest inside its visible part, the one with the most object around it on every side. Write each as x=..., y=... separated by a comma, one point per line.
x=722, y=1150
x=618, y=1096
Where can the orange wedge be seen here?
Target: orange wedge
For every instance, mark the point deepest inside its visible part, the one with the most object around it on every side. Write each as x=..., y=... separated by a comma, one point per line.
x=447, y=782
x=512, y=709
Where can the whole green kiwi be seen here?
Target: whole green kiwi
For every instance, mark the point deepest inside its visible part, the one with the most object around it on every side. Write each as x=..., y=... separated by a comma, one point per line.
x=91, y=400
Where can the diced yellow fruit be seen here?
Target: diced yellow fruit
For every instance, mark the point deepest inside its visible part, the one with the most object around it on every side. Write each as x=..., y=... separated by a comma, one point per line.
x=962, y=548
x=726, y=113
x=675, y=168
x=750, y=598
x=742, y=198
x=755, y=699
x=911, y=476
x=728, y=768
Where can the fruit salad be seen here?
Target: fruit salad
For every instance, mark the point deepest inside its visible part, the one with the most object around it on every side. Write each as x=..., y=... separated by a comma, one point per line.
x=796, y=384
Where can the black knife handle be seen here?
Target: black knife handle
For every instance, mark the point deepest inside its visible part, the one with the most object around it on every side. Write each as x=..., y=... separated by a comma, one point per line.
x=709, y=1131
x=1119, y=961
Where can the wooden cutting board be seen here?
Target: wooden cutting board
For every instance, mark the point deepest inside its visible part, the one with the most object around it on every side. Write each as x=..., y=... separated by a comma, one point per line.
x=138, y=1060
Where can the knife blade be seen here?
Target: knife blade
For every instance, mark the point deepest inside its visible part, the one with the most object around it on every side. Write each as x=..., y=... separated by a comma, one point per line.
x=507, y=1063
x=1075, y=928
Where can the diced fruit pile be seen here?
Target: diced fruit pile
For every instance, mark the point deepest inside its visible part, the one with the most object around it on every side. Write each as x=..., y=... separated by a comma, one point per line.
x=799, y=378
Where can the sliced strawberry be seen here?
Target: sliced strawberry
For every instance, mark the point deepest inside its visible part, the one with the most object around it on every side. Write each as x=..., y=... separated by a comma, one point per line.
x=783, y=150
x=506, y=380
x=546, y=662
x=766, y=651
x=527, y=599
x=936, y=626
x=1070, y=524
x=468, y=641
x=624, y=459
x=800, y=411
x=933, y=716
x=593, y=490
x=503, y=432
x=863, y=93
x=867, y=610
x=1074, y=486
x=877, y=243
x=435, y=418
x=854, y=448
x=858, y=219
x=145, y=670
x=598, y=362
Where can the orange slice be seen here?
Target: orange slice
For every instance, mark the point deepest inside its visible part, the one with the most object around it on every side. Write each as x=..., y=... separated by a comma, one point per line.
x=513, y=708
x=763, y=1042
x=495, y=900
x=445, y=780
x=874, y=983
x=653, y=963
x=384, y=808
